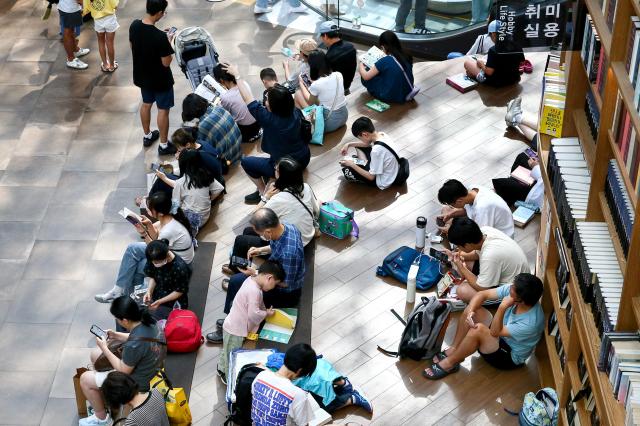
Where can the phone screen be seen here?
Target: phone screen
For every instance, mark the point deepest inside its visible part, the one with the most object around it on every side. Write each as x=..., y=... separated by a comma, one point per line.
x=155, y=166
x=133, y=220
x=531, y=153
x=98, y=332
x=306, y=79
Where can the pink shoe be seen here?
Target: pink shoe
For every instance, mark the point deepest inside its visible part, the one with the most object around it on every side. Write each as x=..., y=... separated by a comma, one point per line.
x=527, y=66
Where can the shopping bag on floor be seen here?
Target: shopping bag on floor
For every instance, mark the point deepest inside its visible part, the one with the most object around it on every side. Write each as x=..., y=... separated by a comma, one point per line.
x=315, y=114
x=175, y=400
x=81, y=400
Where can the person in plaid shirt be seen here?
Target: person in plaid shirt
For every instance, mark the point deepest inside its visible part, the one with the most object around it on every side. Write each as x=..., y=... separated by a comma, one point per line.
x=285, y=247
x=215, y=126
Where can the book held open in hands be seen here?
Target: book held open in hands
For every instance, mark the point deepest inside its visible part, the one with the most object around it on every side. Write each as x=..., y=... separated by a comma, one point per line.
x=371, y=56
x=210, y=89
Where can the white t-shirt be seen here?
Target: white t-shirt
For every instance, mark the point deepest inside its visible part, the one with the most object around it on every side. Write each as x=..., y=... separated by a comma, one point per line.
x=232, y=101
x=489, y=209
x=197, y=200
x=383, y=165
x=329, y=90
x=179, y=239
x=536, y=194
x=501, y=259
x=289, y=210
x=69, y=6
x=278, y=402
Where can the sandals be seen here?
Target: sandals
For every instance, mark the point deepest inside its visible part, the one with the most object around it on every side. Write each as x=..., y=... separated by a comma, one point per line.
x=227, y=270
x=439, y=372
x=525, y=66
x=115, y=66
x=439, y=356
x=102, y=67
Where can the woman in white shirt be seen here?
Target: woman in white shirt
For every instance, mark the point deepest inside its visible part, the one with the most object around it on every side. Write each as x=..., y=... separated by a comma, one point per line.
x=194, y=190
x=327, y=90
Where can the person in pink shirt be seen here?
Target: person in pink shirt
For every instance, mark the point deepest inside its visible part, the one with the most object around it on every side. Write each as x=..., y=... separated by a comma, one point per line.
x=247, y=311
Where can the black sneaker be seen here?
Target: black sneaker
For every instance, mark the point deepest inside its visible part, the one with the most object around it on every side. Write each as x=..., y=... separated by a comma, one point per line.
x=148, y=141
x=223, y=377
x=253, y=198
x=169, y=150
x=215, y=337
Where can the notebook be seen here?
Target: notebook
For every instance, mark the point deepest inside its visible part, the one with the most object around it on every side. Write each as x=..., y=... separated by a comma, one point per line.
x=280, y=326
x=522, y=216
x=462, y=82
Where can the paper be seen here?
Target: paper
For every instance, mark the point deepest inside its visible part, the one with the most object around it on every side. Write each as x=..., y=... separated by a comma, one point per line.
x=280, y=327
x=372, y=56
x=377, y=105
x=210, y=89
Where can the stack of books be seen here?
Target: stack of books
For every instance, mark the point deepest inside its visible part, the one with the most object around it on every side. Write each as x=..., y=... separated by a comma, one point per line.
x=570, y=181
x=586, y=393
x=620, y=205
x=553, y=330
x=626, y=138
x=572, y=411
x=599, y=276
x=553, y=99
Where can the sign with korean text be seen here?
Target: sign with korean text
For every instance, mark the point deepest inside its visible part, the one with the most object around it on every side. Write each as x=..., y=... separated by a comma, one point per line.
x=530, y=24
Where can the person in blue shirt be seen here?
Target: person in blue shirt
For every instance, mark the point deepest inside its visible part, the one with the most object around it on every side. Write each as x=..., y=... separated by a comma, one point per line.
x=386, y=80
x=505, y=340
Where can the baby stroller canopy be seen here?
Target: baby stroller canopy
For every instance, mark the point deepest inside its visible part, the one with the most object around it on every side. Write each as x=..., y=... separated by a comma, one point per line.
x=195, y=53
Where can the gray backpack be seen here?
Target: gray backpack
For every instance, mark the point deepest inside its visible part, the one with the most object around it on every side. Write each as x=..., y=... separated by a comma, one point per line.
x=424, y=330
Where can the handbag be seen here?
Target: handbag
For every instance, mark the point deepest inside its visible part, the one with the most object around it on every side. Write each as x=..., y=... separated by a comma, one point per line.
x=414, y=89
x=337, y=220
x=175, y=399
x=315, y=114
x=117, y=347
x=398, y=262
x=403, y=164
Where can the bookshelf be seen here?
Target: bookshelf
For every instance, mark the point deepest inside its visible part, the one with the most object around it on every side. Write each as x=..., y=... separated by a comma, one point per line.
x=576, y=325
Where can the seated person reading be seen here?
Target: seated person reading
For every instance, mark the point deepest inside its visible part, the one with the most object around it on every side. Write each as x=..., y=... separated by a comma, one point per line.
x=511, y=189
x=505, y=340
x=499, y=258
x=380, y=168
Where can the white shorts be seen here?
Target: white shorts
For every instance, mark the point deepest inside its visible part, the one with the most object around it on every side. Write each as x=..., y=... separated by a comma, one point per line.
x=106, y=24
x=101, y=377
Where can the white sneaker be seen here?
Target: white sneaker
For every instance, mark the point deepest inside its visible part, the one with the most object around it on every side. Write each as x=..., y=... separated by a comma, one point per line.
x=300, y=9
x=81, y=52
x=258, y=10
x=94, y=421
x=109, y=296
x=77, y=64
x=513, y=110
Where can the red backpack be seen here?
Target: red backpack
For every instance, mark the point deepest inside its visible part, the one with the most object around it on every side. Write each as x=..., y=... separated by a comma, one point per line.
x=183, y=331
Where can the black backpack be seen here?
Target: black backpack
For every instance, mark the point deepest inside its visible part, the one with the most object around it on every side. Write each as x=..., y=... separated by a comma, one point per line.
x=403, y=170
x=241, y=408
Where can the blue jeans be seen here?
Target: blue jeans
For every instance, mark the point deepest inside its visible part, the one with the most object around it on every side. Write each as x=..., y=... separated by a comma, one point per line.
x=265, y=3
x=257, y=167
x=131, y=272
x=479, y=10
x=336, y=119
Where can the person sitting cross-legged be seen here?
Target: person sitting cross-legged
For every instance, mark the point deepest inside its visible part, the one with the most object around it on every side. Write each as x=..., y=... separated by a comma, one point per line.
x=505, y=340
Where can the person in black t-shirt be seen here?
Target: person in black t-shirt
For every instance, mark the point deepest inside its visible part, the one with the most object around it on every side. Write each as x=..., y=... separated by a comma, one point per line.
x=152, y=54
x=341, y=55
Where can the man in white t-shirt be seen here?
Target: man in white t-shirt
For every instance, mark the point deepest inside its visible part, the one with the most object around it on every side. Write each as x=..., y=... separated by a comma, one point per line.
x=500, y=258
x=480, y=204
x=71, y=17
x=375, y=164
x=278, y=402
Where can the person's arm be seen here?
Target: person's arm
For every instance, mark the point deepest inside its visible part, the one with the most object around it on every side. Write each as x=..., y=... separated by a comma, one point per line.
x=497, y=326
x=147, y=229
x=482, y=296
x=166, y=60
x=256, y=313
x=454, y=213
x=287, y=70
x=116, y=335
x=148, y=296
x=174, y=295
x=115, y=362
x=258, y=251
x=367, y=74
x=309, y=97
x=469, y=276
x=215, y=189
x=246, y=94
x=165, y=179
x=358, y=144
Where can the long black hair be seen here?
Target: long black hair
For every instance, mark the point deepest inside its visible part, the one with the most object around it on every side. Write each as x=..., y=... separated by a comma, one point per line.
x=192, y=166
x=280, y=101
x=161, y=202
x=290, y=176
x=318, y=65
x=124, y=307
x=391, y=43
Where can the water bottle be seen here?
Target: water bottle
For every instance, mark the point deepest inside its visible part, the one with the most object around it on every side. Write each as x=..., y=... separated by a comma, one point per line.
x=411, y=280
x=356, y=22
x=421, y=225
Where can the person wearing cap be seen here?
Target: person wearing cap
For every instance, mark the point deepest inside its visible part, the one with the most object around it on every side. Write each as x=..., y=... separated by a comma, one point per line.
x=262, y=6
x=500, y=69
x=482, y=44
x=420, y=16
x=304, y=46
x=341, y=55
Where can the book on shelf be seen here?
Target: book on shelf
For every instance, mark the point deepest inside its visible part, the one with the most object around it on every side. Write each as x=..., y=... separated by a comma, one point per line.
x=552, y=324
x=627, y=143
x=620, y=205
x=571, y=410
x=609, y=12
x=592, y=112
x=562, y=271
x=569, y=314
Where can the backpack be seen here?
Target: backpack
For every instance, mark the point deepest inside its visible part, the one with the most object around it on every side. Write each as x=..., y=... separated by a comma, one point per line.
x=540, y=408
x=403, y=163
x=424, y=330
x=240, y=411
x=337, y=220
x=397, y=264
x=183, y=331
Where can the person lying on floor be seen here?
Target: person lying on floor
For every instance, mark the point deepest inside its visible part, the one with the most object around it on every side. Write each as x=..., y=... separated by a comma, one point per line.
x=505, y=340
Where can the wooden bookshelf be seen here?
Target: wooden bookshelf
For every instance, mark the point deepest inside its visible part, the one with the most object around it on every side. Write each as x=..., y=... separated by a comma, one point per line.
x=581, y=334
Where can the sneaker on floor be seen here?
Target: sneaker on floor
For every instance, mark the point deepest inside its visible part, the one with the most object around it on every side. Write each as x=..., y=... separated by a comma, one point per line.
x=513, y=109
x=214, y=337
x=77, y=64
x=82, y=52
x=300, y=9
x=94, y=421
x=257, y=10
x=169, y=150
x=253, y=198
x=148, y=140
x=362, y=401
x=108, y=297
x=223, y=377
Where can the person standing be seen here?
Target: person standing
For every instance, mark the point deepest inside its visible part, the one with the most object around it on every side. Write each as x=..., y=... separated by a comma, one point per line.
x=70, y=18
x=105, y=23
x=152, y=54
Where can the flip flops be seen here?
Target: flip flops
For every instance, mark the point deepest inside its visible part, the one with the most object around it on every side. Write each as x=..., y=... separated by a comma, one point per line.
x=102, y=67
x=439, y=372
x=115, y=66
x=525, y=66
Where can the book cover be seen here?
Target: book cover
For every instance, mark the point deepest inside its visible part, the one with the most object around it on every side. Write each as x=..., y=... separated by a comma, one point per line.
x=522, y=216
x=462, y=82
x=280, y=326
x=523, y=175
x=377, y=105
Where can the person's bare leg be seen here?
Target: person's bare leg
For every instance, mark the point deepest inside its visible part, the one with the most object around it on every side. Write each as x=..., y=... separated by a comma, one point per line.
x=145, y=117
x=163, y=124
x=527, y=131
x=465, y=292
x=478, y=338
x=69, y=42
x=102, y=48
x=111, y=50
x=299, y=100
x=481, y=316
x=92, y=393
x=471, y=67
x=260, y=185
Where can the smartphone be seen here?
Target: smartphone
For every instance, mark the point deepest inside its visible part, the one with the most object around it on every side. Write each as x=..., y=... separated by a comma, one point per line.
x=356, y=161
x=440, y=256
x=440, y=221
x=132, y=220
x=172, y=30
x=306, y=80
x=239, y=262
x=531, y=153
x=98, y=332
x=155, y=167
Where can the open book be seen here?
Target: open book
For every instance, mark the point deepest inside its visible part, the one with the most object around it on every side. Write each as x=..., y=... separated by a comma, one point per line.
x=210, y=89
x=280, y=326
x=371, y=56
x=130, y=216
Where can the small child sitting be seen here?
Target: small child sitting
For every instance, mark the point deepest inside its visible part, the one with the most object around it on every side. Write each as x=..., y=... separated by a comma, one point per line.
x=269, y=79
x=247, y=311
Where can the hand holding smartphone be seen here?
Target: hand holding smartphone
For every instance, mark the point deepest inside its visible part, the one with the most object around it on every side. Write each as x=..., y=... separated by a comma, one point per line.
x=98, y=332
x=531, y=153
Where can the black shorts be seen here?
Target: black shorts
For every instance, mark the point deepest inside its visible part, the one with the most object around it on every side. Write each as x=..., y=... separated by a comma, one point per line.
x=70, y=20
x=501, y=359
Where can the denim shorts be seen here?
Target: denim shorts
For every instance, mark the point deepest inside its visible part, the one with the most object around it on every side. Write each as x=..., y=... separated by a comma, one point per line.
x=163, y=100
x=70, y=20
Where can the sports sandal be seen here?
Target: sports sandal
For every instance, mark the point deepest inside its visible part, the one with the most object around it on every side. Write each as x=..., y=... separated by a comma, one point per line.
x=102, y=67
x=438, y=372
x=439, y=357
x=115, y=66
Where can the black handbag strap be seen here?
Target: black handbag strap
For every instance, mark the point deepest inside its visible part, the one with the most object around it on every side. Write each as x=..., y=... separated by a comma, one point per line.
x=146, y=339
x=313, y=218
x=384, y=145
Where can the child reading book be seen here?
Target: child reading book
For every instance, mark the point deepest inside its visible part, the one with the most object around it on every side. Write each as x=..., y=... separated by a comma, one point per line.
x=247, y=311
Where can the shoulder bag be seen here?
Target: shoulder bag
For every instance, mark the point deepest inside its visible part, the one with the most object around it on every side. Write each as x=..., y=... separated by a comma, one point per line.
x=414, y=89
x=403, y=164
x=117, y=347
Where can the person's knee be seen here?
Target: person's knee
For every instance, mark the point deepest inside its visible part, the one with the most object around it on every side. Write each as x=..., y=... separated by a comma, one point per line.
x=145, y=107
x=163, y=112
x=94, y=354
x=88, y=381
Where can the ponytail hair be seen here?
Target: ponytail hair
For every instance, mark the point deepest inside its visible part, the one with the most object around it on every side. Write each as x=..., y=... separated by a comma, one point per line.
x=161, y=202
x=124, y=307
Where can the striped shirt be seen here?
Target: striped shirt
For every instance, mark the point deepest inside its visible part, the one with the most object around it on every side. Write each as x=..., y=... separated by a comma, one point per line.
x=151, y=412
x=218, y=128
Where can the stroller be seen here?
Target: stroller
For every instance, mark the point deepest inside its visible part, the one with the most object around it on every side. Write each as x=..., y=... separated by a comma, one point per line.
x=195, y=53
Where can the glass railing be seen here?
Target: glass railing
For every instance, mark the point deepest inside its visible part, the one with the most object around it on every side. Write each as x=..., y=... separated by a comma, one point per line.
x=420, y=17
